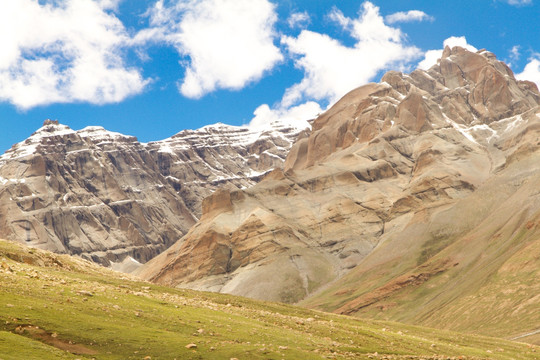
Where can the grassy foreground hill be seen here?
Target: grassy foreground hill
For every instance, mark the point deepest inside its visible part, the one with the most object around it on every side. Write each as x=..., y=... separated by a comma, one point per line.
x=60, y=307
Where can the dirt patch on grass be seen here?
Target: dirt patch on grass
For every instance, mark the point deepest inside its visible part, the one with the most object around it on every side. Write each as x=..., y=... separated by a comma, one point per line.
x=52, y=339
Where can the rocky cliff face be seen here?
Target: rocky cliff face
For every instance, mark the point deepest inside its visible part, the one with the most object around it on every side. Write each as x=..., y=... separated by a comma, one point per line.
x=107, y=197
x=376, y=174
x=196, y=162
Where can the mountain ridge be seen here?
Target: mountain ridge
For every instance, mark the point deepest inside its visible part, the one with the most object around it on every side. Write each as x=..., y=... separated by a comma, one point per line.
x=107, y=197
x=365, y=196
x=408, y=200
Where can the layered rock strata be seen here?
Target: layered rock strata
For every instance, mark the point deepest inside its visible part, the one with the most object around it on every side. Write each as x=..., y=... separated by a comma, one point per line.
x=381, y=163
x=109, y=198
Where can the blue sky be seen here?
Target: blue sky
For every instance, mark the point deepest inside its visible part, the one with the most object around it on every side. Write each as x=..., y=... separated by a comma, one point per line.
x=153, y=68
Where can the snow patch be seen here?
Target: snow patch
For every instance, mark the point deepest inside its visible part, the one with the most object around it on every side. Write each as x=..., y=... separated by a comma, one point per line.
x=461, y=128
x=513, y=123
x=4, y=181
x=99, y=134
x=253, y=173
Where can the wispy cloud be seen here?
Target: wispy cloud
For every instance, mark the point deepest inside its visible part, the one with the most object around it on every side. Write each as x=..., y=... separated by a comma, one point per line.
x=409, y=16
x=518, y=2
x=513, y=55
x=228, y=43
x=298, y=20
x=60, y=52
x=109, y=4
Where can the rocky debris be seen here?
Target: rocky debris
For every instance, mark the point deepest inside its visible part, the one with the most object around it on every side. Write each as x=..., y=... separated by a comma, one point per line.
x=108, y=198
x=384, y=159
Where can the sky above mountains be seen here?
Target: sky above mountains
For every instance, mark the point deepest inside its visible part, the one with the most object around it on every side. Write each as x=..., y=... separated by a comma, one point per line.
x=153, y=68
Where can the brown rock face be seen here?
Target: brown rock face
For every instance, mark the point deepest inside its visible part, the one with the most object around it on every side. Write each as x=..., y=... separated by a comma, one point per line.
x=107, y=197
x=380, y=164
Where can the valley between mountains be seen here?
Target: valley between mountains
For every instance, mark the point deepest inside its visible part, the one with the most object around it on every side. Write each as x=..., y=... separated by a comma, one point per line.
x=414, y=200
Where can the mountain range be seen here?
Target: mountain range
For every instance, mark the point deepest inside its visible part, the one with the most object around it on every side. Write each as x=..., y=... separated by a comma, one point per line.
x=416, y=199
x=111, y=199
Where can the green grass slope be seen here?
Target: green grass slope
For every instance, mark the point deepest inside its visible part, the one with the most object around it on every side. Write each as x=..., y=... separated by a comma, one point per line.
x=471, y=267
x=59, y=307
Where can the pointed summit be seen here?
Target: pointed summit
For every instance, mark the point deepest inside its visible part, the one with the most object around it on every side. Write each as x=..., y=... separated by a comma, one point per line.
x=465, y=90
x=446, y=52
x=50, y=122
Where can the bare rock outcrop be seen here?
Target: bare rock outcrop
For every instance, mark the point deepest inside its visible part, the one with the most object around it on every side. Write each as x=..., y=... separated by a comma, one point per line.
x=109, y=198
x=196, y=162
x=92, y=193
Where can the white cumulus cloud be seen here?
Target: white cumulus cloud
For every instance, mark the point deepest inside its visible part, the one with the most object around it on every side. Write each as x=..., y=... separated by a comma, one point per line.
x=59, y=52
x=298, y=114
x=331, y=69
x=431, y=56
x=229, y=43
x=409, y=16
x=531, y=71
